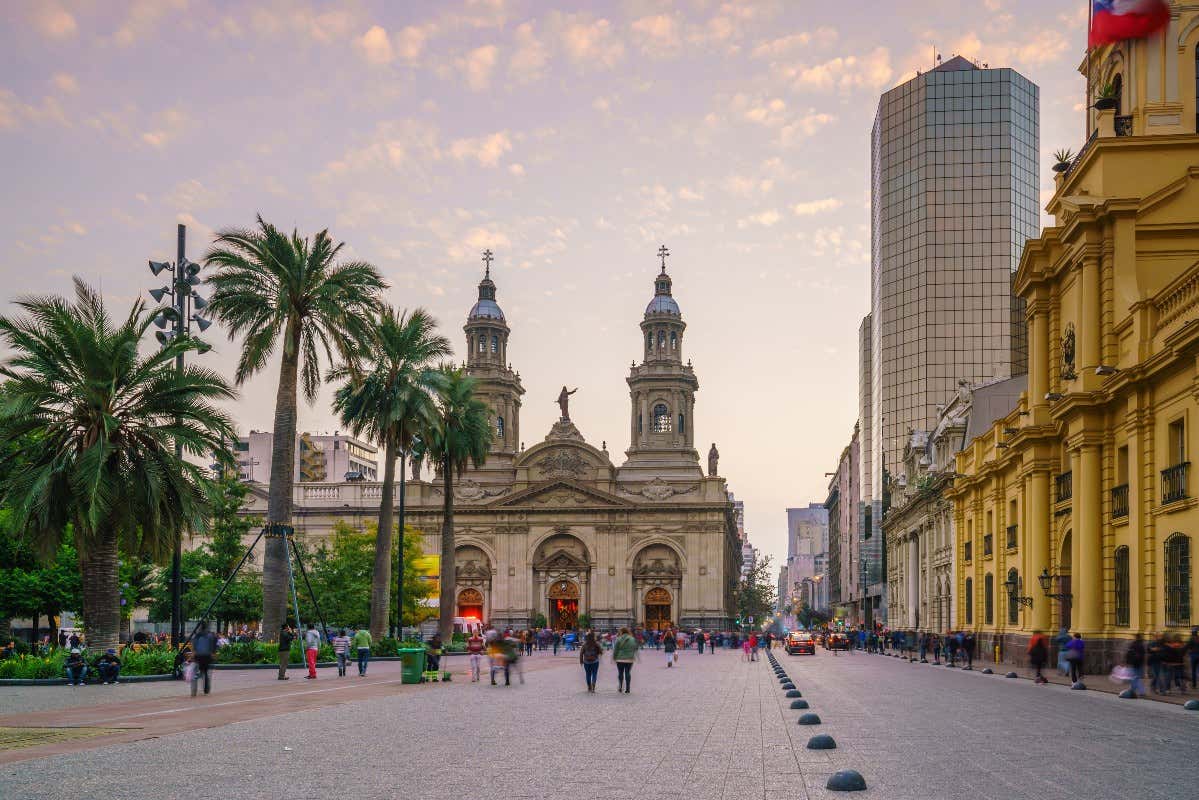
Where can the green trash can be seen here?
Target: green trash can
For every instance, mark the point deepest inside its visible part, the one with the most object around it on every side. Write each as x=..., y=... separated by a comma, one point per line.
x=412, y=662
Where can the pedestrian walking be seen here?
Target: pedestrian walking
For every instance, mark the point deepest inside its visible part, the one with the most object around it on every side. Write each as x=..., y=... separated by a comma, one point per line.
x=1061, y=640
x=1038, y=654
x=362, y=644
x=589, y=656
x=968, y=643
x=670, y=645
x=1074, y=656
x=699, y=641
x=474, y=647
x=1134, y=661
x=204, y=646
x=625, y=650
x=1173, y=661
x=312, y=646
x=286, y=637
x=753, y=647
x=1193, y=655
x=341, y=649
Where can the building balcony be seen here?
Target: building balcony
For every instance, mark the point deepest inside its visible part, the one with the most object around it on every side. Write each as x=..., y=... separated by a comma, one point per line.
x=1063, y=486
x=1174, y=482
x=1120, y=501
x=1011, y=536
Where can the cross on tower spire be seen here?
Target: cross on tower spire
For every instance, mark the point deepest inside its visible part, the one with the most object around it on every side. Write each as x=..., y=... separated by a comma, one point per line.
x=487, y=258
x=662, y=254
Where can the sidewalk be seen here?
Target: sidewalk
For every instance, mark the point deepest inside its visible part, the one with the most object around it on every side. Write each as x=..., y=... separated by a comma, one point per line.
x=1098, y=683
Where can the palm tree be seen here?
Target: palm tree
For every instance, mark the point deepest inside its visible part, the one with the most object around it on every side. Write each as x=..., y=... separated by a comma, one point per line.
x=389, y=399
x=286, y=291
x=461, y=434
x=108, y=419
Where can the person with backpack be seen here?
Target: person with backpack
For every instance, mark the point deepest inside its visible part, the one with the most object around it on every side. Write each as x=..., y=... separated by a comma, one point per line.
x=589, y=656
x=1038, y=654
x=204, y=647
x=670, y=644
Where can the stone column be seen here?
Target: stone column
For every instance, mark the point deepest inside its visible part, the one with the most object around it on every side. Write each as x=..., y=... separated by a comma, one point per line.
x=913, y=582
x=1087, y=567
x=1039, y=517
x=1038, y=352
x=1087, y=329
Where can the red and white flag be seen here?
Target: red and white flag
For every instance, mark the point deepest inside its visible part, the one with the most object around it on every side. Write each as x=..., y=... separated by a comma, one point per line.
x=1113, y=20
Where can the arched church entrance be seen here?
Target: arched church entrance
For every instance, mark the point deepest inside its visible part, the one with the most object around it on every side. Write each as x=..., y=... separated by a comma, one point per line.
x=564, y=605
x=561, y=574
x=470, y=604
x=658, y=578
x=657, y=609
x=472, y=575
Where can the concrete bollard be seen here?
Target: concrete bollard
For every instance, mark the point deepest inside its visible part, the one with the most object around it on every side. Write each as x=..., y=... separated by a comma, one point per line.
x=987, y=671
x=822, y=741
x=1078, y=686
x=788, y=686
x=1127, y=694
x=1191, y=705
x=1011, y=675
x=800, y=704
x=847, y=780
x=809, y=719
x=793, y=693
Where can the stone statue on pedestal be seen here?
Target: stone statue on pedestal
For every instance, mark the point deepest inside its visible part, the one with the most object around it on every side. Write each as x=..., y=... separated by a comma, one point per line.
x=564, y=402
x=713, y=458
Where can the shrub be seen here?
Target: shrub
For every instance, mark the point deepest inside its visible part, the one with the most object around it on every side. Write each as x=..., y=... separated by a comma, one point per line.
x=151, y=660
x=387, y=646
x=30, y=666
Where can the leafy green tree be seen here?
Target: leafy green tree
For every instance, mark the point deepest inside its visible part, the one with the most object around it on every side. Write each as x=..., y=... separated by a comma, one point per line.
x=31, y=586
x=388, y=397
x=757, y=593
x=275, y=290
x=107, y=418
x=461, y=435
x=340, y=570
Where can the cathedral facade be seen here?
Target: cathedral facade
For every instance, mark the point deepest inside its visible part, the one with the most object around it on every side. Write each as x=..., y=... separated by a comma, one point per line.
x=559, y=529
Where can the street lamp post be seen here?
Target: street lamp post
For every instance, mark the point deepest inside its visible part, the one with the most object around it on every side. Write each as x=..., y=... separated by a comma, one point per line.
x=184, y=275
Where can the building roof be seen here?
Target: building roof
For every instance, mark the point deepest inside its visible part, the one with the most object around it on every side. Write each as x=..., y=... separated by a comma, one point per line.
x=663, y=302
x=955, y=64
x=993, y=401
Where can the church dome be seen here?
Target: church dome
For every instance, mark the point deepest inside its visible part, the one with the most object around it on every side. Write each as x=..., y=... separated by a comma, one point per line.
x=486, y=309
x=663, y=304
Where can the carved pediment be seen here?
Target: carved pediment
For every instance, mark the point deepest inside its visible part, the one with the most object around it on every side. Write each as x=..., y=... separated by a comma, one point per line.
x=657, y=489
x=562, y=494
x=562, y=462
x=562, y=561
x=472, y=569
x=469, y=491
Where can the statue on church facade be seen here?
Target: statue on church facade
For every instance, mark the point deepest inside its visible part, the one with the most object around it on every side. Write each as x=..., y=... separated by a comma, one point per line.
x=713, y=458
x=415, y=462
x=564, y=402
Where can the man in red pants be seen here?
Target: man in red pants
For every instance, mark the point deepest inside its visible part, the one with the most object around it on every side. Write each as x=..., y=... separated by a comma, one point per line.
x=312, y=644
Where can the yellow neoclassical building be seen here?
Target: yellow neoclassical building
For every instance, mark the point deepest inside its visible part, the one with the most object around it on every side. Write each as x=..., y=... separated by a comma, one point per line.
x=1079, y=509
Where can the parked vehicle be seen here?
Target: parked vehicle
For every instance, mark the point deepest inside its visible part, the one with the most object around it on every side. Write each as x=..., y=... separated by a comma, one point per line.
x=837, y=641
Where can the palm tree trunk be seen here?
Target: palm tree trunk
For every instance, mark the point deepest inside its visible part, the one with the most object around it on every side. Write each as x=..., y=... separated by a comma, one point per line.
x=101, y=593
x=445, y=616
x=279, y=497
x=381, y=577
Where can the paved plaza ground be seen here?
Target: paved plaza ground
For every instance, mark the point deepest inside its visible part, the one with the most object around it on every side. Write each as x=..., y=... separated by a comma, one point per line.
x=714, y=727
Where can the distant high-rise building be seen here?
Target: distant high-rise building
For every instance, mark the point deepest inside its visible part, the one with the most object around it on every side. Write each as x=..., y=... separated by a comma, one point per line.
x=807, y=551
x=954, y=196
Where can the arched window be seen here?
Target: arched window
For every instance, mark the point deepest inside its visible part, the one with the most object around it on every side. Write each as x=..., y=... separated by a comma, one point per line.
x=661, y=418
x=682, y=424
x=640, y=424
x=674, y=341
x=970, y=601
x=482, y=344
x=495, y=344
x=1013, y=609
x=649, y=342
x=499, y=428
x=1122, y=594
x=661, y=340
x=1178, y=580
x=989, y=599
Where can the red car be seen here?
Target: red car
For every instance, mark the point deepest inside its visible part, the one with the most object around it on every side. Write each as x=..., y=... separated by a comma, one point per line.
x=800, y=643
x=837, y=641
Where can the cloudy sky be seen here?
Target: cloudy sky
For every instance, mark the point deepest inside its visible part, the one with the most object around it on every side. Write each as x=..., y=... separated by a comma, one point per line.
x=572, y=142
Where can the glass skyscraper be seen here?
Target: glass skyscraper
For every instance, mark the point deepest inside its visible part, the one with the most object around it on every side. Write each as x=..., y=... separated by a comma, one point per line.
x=954, y=196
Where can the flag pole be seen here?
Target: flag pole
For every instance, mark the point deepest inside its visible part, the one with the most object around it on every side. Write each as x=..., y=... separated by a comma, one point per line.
x=1086, y=115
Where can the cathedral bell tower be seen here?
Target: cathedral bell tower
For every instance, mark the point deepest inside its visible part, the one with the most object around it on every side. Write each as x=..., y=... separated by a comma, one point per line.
x=662, y=388
x=486, y=361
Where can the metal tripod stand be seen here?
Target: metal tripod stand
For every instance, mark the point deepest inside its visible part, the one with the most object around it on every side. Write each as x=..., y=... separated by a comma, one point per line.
x=273, y=530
